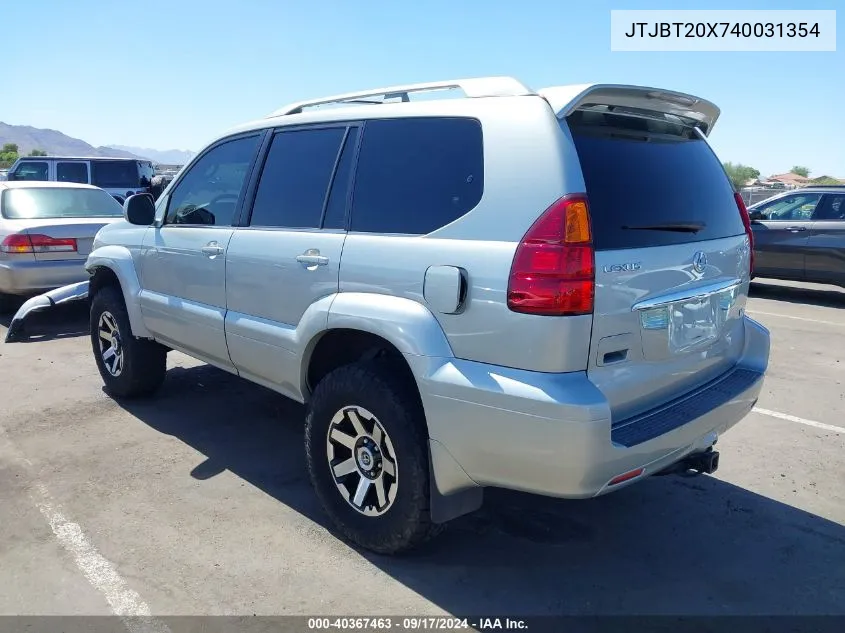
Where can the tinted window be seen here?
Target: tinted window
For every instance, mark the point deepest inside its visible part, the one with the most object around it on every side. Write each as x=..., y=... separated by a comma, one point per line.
x=30, y=171
x=58, y=202
x=295, y=179
x=642, y=173
x=209, y=192
x=116, y=174
x=335, y=217
x=831, y=208
x=417, y=175
x=794, y=207
x=72, y=172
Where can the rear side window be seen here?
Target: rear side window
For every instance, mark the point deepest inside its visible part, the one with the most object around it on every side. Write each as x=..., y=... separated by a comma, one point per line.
x=831, y=208
x=30, y=170
x=295, y=179
x=115, y=174
x=651, y=183
x=417, y=175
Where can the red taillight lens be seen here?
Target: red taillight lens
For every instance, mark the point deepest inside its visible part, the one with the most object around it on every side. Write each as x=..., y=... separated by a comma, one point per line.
x=23, y=243
x=553, y=270
x=746, y=222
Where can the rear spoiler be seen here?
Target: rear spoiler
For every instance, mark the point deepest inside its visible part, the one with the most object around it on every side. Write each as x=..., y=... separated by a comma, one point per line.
x=566, y=99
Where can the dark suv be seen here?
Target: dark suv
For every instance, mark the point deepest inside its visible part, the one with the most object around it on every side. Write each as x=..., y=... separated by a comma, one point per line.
x=799, y=235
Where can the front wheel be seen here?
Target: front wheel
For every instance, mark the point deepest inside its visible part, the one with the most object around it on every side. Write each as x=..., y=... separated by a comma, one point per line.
x=366, y=449
x=129, y=366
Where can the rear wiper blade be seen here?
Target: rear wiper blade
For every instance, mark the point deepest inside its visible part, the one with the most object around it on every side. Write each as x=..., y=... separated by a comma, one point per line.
x=678, y=227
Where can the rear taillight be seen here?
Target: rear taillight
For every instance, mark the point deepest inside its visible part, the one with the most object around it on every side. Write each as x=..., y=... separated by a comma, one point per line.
x=19, y=243
x=553, y=270
x=746, y=222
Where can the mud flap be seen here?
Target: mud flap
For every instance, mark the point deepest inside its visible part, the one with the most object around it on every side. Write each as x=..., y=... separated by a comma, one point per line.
x=65, y=294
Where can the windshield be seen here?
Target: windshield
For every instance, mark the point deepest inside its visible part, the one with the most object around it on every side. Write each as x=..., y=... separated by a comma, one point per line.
x=35, y=203
x=115, y=174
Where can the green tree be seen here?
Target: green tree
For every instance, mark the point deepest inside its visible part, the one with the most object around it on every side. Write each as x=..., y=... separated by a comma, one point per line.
x=38, y=152
x=800, y=171
x=740, y=174
x=8, y=155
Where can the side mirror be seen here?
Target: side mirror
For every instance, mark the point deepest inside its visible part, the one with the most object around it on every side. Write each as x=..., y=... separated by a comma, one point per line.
x=756, y=215
x=139, y=209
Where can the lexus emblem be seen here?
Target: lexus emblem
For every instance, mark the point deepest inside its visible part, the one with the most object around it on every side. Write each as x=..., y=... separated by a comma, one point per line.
x=699, y=262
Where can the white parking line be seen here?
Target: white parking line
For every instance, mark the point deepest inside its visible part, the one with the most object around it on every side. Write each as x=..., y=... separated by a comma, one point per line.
x=124, y=601
x=795, y=418
x=796, y=318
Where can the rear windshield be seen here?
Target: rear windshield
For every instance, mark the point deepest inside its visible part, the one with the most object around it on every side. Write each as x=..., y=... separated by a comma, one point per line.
x=651, y=183
x=115, y=174
x=55, y=202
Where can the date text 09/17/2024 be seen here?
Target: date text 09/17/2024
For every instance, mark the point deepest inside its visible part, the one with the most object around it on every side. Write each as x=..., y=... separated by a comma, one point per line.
x=417, y=624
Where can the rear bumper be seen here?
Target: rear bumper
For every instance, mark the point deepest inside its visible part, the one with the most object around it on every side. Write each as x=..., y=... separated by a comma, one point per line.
x=33, y=277
x=551, y=434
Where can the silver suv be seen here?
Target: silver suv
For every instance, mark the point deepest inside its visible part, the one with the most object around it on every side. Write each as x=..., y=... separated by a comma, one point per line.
x=543, y=291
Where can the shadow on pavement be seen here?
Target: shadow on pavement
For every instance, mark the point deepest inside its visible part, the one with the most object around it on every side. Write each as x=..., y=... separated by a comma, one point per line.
x=669, y=545
x=61, y=321
x=805, y=295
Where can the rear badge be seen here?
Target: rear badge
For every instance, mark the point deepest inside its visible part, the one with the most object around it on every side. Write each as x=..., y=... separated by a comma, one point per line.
x=699, y=262
x=622, y=268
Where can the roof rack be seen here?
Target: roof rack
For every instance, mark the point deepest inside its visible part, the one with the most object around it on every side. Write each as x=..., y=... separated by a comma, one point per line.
x=476, y=87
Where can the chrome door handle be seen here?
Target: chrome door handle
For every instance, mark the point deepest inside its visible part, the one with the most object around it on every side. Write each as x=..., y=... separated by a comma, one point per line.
x=212, y=249
x=312, y=258
x=795, y=229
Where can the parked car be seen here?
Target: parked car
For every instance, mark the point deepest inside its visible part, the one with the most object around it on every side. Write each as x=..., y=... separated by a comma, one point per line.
x=800, y=235
x=46, y=233
x=121, y=177
x=516, y=289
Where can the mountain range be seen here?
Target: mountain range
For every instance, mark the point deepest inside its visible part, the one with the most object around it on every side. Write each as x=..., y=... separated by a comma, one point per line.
x=165, y=157
x=56, y=143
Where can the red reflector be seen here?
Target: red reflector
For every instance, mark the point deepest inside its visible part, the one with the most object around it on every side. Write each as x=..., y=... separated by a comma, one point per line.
x=626, y=477
x=553, y=269
x=746, y=222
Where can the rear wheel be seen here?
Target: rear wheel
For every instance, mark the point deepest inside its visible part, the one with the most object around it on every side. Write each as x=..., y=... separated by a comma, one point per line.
x=365, y=444
x=129, y=366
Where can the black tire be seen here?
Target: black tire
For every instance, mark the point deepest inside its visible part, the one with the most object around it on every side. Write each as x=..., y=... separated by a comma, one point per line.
x=378, y=387
x=143, y=363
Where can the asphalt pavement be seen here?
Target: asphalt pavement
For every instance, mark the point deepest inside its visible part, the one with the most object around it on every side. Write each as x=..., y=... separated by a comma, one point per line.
x=197, y=502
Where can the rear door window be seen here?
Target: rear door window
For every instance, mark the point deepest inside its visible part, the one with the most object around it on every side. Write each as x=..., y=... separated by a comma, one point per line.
x=416, y=175
x=651, y=182
x=832, y=207
x=295, y=180
x=72, y=172
x=30, y=170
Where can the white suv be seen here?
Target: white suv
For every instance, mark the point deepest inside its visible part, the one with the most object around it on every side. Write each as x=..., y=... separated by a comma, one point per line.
x=542, y=291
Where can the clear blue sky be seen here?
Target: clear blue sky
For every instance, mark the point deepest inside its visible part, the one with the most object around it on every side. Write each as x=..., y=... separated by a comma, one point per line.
x=173, y=74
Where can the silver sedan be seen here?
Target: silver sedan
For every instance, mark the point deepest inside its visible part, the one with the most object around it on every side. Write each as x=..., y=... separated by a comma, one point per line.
x=46, y=233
